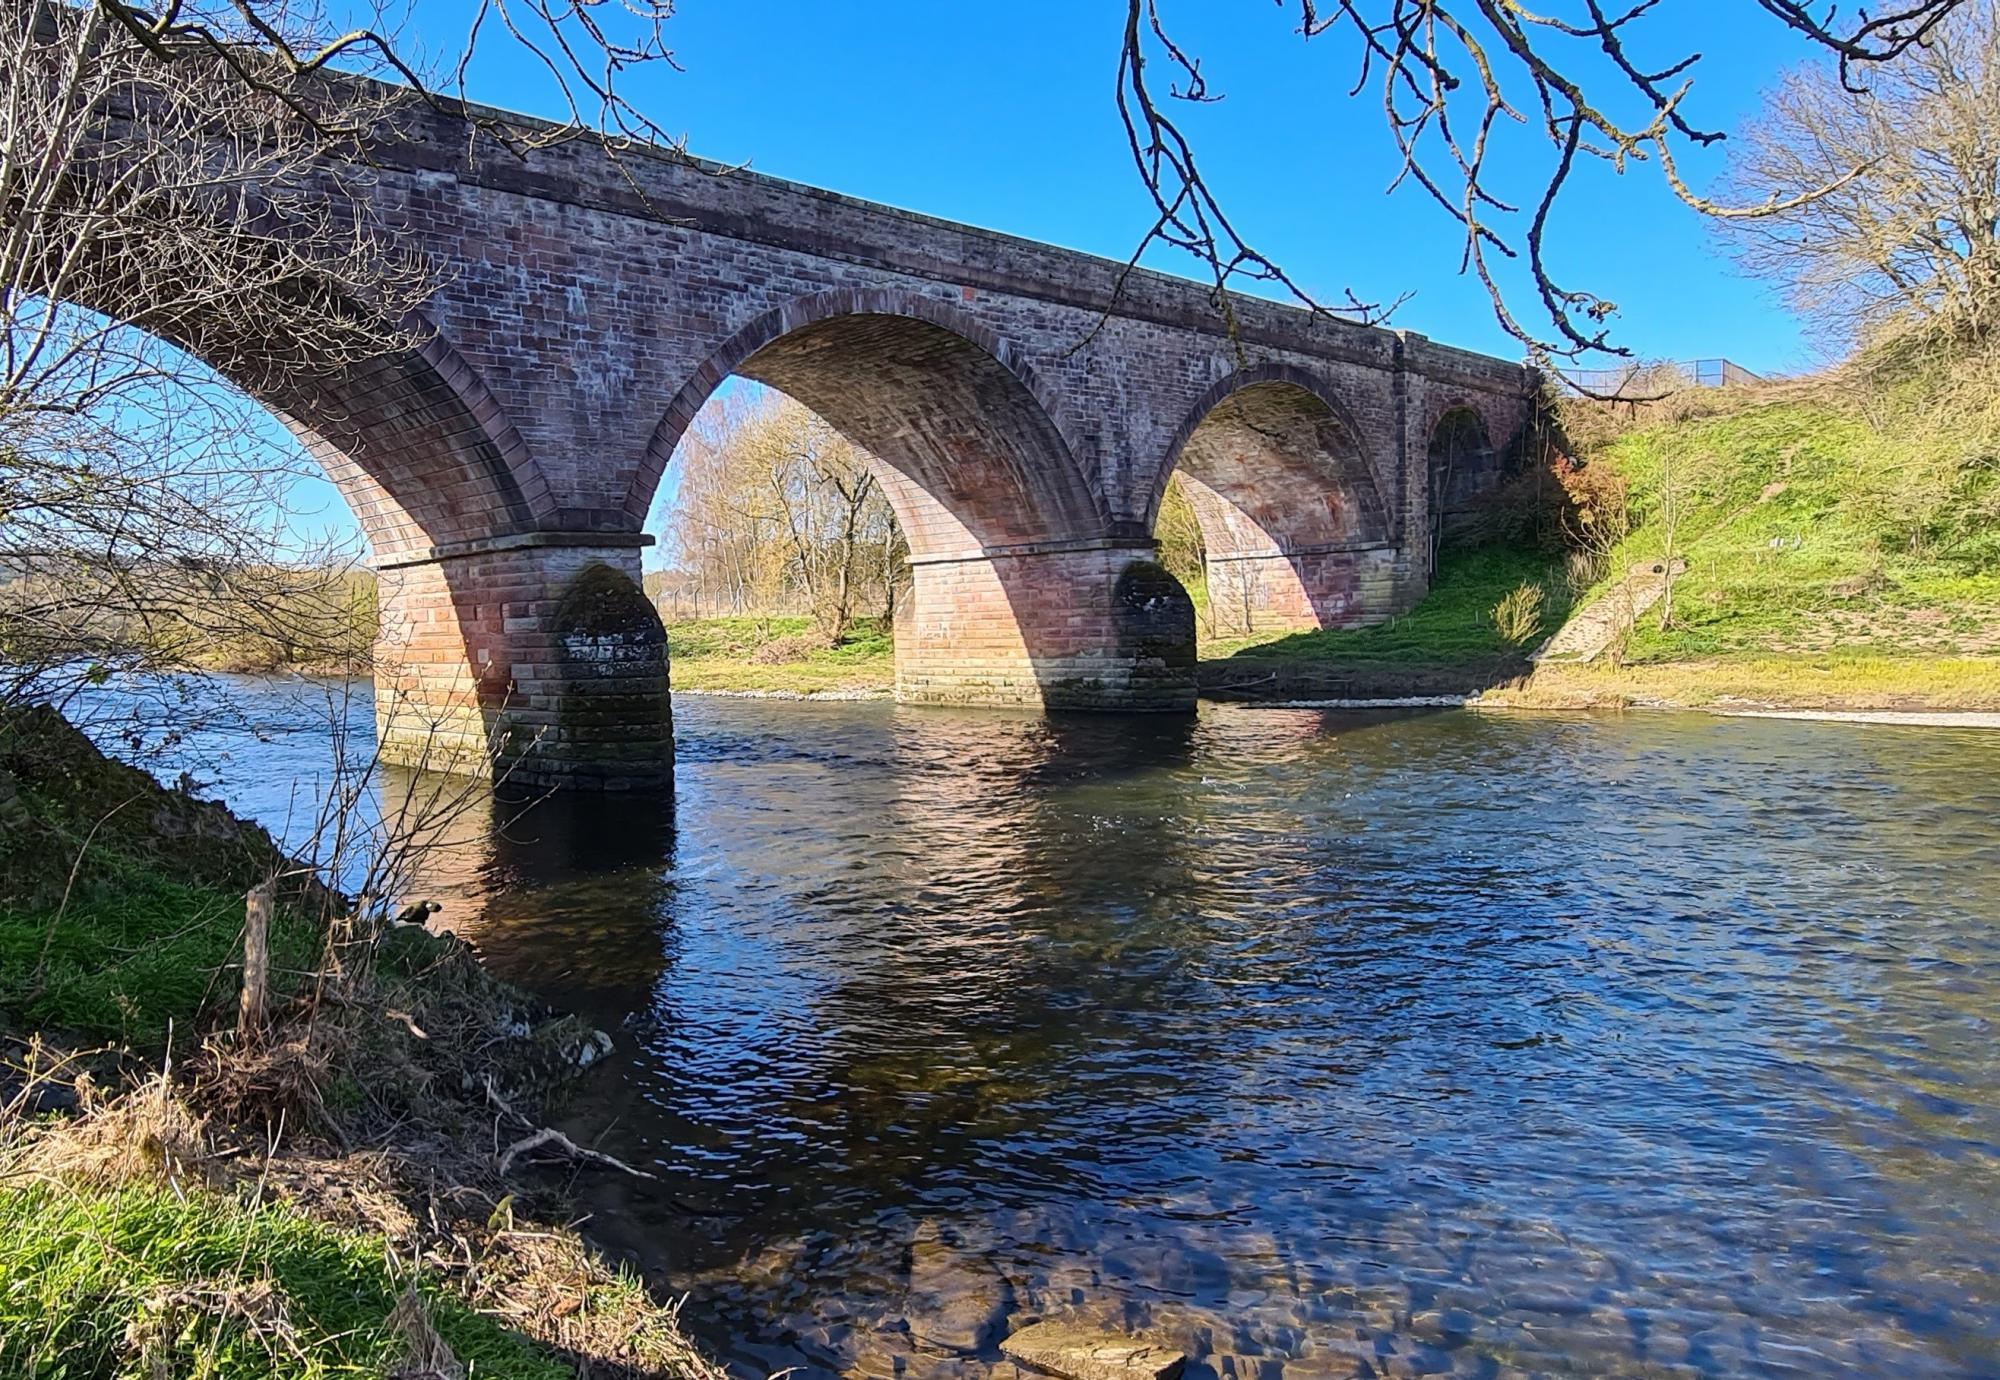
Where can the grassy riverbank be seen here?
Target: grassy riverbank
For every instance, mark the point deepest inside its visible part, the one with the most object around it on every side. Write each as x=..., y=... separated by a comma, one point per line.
x=175, y=1200
x=1840, y=535
x=1837, y=538
x=1800, y=543
x=1451, y=643
x=1813, y=683
x=781, y=653
x=1837, y=541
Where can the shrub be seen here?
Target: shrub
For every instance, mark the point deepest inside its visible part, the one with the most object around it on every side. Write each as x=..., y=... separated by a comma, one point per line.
x=1600, y=500
x=1582, y=569
x=788, y=648
x=1518, y=616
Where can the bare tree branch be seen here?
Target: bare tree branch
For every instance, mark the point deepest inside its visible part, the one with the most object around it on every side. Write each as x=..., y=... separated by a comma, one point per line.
x=1910, y=239
x=1455, y=75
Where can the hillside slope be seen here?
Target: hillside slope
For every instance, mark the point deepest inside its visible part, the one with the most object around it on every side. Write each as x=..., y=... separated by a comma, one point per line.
x=1807, y=532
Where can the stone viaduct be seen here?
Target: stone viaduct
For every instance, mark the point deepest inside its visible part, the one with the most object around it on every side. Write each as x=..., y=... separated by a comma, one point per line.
x=1027, y=409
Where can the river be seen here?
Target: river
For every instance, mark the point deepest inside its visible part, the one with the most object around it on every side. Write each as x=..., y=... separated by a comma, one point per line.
x=1319, y=1044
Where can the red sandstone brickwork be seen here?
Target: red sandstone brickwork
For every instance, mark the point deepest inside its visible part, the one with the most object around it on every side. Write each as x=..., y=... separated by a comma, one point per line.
x=1027, y=413
x=489, y=659
x=595, y=315
x=1061, y=629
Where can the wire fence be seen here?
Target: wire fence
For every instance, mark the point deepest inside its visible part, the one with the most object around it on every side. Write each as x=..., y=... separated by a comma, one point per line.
x=1659, y=377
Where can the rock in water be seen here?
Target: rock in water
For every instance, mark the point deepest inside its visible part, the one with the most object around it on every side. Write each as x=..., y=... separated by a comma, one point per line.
x=956, y=1302
x=1084, y=1353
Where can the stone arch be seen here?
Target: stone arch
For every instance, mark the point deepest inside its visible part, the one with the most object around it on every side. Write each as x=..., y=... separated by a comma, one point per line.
x=412, y=438
x=1460, y=466
x=1022, y=592
x=414, y=441
x=1248, y=403
x=982, y=445
x=420, y=449
x=493, y=647
x=460, y=521
x=1295, y=529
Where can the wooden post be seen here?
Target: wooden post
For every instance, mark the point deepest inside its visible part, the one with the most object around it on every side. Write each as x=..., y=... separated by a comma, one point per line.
x=256, y=963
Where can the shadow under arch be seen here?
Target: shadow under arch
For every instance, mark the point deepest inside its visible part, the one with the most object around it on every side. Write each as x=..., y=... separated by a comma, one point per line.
x=1461, y=466
x=1296, y=530
x=1023, y=591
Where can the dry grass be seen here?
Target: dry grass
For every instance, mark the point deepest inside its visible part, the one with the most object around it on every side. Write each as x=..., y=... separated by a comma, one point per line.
x=1832, y=683
x=412, y=1170
x=325, y=1191
x=1518, y=615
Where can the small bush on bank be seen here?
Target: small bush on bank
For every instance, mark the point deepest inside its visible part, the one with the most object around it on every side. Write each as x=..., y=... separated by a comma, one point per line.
x=780, y=651
x=1518, y=615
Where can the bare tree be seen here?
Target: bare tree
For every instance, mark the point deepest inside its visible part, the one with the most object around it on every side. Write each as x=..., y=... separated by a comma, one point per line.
x=146, y=207
x=183, y=228
x=778, y=506
x=720, y=531
x=1456, y=78
x=1913, y=239
x=826, y=495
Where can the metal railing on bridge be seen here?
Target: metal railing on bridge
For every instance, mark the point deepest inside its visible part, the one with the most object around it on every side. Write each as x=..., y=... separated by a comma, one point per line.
x=1658, y=377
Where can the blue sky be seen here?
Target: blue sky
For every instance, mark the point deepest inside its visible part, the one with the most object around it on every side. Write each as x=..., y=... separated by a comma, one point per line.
x=1003, y=116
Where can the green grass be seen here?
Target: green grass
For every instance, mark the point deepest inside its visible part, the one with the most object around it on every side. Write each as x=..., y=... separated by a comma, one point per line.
x=1848, y=681
x=121, y=910
x=1452, y=625
x=138, y=1281
x=122, y=902
x=779, y=654
x=119, y=965
x=1807, y=532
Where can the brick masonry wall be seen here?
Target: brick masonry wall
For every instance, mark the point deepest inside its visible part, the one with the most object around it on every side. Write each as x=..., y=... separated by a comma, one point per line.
x=547, y=664
x=1098, y=628
x=1019, y=403
x=594, y=313
x=1307, y=591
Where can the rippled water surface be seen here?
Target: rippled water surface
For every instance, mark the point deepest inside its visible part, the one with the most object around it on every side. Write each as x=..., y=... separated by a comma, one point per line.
x=1319, y=1044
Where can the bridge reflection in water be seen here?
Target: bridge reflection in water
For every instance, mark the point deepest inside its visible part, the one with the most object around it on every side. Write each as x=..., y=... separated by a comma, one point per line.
x=1447, y=1043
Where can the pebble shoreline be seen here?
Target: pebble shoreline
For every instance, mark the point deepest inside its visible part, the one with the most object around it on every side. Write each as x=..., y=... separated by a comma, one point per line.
x=1932, y=718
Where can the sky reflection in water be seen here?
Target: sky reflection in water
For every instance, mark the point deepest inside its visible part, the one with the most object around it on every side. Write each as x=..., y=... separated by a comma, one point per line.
x=1645, y=1045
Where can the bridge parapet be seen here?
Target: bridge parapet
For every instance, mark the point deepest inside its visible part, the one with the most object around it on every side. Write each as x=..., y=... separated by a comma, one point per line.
x=1026, y=405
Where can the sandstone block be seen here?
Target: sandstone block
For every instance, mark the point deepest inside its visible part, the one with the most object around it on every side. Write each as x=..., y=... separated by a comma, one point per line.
x=1076, y=1352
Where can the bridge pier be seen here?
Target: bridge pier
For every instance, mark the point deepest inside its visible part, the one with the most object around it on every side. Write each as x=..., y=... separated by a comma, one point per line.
x=1096, y=625
x=539, y=658
x=536, y=657
x=1303, y=590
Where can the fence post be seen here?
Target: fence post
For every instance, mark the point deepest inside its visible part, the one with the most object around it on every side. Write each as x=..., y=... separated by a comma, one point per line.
x=256, y=963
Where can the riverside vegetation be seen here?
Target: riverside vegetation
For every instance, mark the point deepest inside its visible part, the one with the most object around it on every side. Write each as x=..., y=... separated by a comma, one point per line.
x=1836, y=540
x=1834, y=543
x=326, y=1193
